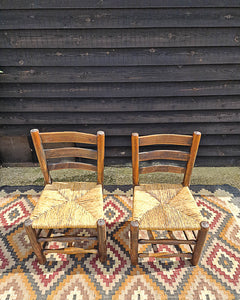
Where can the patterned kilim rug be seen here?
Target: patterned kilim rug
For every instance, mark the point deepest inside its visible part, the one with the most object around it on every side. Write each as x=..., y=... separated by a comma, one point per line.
x=83, y=277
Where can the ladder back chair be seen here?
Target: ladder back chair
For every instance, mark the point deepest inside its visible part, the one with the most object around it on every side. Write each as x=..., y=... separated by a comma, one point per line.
x=166, y=207
x=68, y=206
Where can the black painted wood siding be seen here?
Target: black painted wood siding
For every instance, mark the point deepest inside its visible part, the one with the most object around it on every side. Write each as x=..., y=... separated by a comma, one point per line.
x=121, y=66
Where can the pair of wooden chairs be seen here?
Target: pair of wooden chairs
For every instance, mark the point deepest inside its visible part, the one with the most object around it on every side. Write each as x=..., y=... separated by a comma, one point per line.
x=64, y=207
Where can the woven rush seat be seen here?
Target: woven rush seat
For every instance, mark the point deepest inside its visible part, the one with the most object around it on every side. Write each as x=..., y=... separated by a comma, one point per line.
x=165, y=207
x=69, y=205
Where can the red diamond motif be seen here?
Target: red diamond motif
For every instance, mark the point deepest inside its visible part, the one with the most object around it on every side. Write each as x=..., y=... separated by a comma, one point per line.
x=56, y=268
x=169, y=271
x=219, y=250
x=119, y=214
x=111, y=272
x=6, y=261
x=14, y=214
x=216, y=217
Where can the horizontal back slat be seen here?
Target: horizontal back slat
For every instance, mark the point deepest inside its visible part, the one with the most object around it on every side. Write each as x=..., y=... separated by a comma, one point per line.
x=164, y=154
x=71, y=152
x=68, y=137
x=72, y=165
x=165, y=139
x=162, y=168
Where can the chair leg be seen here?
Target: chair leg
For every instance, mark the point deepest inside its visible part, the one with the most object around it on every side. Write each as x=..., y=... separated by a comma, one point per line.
x=33, y=240
x=102, y=240
x=134, y=233
x=201, y=237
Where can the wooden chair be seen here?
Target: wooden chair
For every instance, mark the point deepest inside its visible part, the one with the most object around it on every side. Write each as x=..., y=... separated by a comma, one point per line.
x=167, y=207
x=68, y=205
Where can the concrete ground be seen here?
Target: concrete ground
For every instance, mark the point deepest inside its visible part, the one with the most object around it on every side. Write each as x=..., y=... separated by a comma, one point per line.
x=120, y=176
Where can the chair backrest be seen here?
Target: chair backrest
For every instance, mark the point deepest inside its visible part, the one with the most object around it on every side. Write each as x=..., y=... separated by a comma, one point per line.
x=44, y=155
x=192, y=141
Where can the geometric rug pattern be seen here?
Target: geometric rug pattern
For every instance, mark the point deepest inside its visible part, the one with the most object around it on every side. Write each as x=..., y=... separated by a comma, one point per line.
x=83, y=276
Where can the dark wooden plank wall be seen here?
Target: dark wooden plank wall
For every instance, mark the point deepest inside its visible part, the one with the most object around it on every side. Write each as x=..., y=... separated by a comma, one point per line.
x=154, y=66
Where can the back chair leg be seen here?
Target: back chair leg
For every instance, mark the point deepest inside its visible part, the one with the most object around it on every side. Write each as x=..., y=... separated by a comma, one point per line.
x=201, y=238
x=31, y=232
x=102, y=240
x=134, y=234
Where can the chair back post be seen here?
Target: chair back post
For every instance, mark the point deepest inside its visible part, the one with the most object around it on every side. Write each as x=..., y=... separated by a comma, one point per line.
x=100, y=156
x=191, y=161
x=41, y=155
x=135, y=158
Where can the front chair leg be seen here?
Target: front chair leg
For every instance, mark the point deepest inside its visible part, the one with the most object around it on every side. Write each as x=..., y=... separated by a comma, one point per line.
x=33, y=240
x=134, y=233
x=201, y=238
x=102, y=240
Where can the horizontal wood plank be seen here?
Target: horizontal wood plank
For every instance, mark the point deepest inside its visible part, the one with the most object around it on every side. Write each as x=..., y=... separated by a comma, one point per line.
x=119, y=57
x=120, y=118
x=162, y=168
x=163, y=154
x=110, y=90
x=216, y=161
x=119, y=18
x=160, y=104
x=231, y=128
x=26, y=4
x=119, y=74
x=71, y=152
x=222, y=139
x=119, y=38
x=68, y=137
x=219, y=151
x=71, y=165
